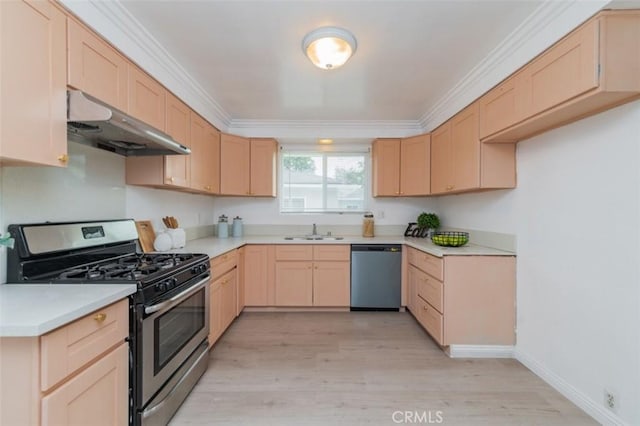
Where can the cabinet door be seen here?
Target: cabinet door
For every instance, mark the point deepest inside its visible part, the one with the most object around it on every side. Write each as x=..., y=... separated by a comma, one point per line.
x=33, y=68
x=385, y=158
x=95, y=67
x=331, y=284
x=501, y=107
x=415, y=165
x=294, y=284
x=235, y=160
x=465, y=149
x=229, y=298
x=215, y=311
x=263, y=167
x=412, y=286
x=255, y=275
x=147, y=98
x=205, y=156
x=241, y=280
x=441, y=159
x=565, y=71
x=98, y=395
x=178, y=126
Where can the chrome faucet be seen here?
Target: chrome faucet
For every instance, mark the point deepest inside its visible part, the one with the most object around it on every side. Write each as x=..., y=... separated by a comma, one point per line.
x=315, y=230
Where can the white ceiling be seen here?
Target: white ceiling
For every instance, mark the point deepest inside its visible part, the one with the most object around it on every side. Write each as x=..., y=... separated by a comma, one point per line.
x=247, y=54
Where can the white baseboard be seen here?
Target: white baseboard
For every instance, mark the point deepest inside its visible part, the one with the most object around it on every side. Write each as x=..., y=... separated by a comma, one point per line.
x=480, y=351
x=591, y=407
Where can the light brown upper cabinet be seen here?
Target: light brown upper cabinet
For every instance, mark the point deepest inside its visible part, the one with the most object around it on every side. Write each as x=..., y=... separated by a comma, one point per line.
x=168, y=171
x=264, y=153
x=33, y=79
x=460, y=163
x=178, y=126
x=147, y=98
x=235, y=161
x=205, y=156
x=593, y=68
x=401, y=167
x=247, y=166
x=95, y=67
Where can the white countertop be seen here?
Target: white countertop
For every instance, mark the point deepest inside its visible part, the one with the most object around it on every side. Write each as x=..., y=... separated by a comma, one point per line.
x=216, y=246
x=35, y=309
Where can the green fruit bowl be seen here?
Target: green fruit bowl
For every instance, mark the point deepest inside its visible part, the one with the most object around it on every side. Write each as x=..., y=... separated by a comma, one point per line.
x=450, y=238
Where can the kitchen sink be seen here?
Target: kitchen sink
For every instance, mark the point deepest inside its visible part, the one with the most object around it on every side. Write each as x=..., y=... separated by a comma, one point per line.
x=315, y=238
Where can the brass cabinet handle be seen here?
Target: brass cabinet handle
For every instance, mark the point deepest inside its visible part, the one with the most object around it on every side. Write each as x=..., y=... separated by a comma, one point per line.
x=425, y=307
x=208, y=187
x=170, y=179
x=64, y=158
x=449, y=187
x=100, y=317
x=224, y=282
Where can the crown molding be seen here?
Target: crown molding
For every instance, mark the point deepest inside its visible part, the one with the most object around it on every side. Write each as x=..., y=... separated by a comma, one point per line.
x=116, y=24
x=547, y=24
x=325, y=128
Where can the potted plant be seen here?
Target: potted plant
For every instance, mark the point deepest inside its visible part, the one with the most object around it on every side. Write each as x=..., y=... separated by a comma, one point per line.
x=427, y=222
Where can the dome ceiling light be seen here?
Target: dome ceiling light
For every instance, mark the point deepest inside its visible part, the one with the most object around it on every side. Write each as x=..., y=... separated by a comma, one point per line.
x=329, y=47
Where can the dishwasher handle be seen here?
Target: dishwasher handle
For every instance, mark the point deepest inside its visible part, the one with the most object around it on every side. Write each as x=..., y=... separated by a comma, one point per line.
x=394, y=248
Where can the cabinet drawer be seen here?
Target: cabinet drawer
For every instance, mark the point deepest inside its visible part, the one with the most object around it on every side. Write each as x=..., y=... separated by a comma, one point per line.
x=430, y=319
x=294, y=252
x=223, y=263
x=430, y=290
x=332, y=252
x=70, y=347
x=432, y=265
x=96, y=396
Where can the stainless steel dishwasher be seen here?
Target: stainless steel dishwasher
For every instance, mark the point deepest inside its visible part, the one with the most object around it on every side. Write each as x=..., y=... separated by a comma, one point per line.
x=376, y=271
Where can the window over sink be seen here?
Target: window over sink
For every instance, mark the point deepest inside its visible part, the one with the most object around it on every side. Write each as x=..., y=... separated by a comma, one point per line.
x=324, y=182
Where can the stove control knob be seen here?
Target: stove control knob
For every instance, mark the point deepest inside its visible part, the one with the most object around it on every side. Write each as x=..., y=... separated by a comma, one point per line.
x=202, y=268
x=159, y=287
x=195, y=270
x=174, y=282
x=168, y=284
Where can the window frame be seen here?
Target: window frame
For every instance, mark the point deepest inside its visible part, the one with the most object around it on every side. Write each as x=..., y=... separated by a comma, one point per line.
x=366, y=182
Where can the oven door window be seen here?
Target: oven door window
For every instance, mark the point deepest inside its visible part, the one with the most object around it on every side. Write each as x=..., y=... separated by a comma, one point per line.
x=175, y=328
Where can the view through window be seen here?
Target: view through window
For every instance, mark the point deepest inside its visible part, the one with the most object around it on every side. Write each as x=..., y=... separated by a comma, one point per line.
x=323, y=182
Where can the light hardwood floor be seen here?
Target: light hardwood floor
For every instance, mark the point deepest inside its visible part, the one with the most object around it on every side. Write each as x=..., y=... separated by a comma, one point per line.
x=360, y=368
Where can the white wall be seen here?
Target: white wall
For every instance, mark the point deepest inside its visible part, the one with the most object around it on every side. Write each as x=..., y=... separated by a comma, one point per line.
x=92, y=187
x=576, y=212
x=260, y=211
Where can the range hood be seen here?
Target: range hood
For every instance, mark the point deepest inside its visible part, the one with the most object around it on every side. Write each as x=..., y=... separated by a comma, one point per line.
x=92, y=122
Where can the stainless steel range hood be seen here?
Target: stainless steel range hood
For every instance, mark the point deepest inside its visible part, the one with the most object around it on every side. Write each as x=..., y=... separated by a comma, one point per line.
x=92, y=122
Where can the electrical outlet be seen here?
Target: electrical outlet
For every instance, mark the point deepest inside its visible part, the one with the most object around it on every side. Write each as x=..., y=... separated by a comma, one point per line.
x=380, y=214
x=610, y=400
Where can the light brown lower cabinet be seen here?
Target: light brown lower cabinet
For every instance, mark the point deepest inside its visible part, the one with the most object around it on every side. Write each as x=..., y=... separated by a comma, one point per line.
x=223, y=294
x=93, y=397
x=294, y=283
x=75, y=374
x=313, y=275
x=295, y=275
x=463, y=300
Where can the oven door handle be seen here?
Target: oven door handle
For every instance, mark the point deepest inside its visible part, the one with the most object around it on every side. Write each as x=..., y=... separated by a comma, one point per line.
x=178, y=297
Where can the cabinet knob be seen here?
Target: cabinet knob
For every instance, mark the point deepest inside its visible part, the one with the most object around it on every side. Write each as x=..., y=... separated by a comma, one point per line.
x=208, y=187
x=64, y=158
x=449, y=187
x=425, y=307
x=100, y=317
x=171, y=179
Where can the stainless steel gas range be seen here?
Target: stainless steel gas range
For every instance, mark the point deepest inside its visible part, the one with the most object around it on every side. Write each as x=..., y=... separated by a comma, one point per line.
x=169, y=313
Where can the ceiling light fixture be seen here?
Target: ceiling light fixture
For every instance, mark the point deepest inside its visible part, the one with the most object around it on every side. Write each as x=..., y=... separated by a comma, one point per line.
x=329, y=47
x=325, y=141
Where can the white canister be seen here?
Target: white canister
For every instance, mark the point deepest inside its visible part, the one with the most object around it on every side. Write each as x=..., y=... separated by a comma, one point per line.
x=178, y=237
x=223, y=227
x=237, y=227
